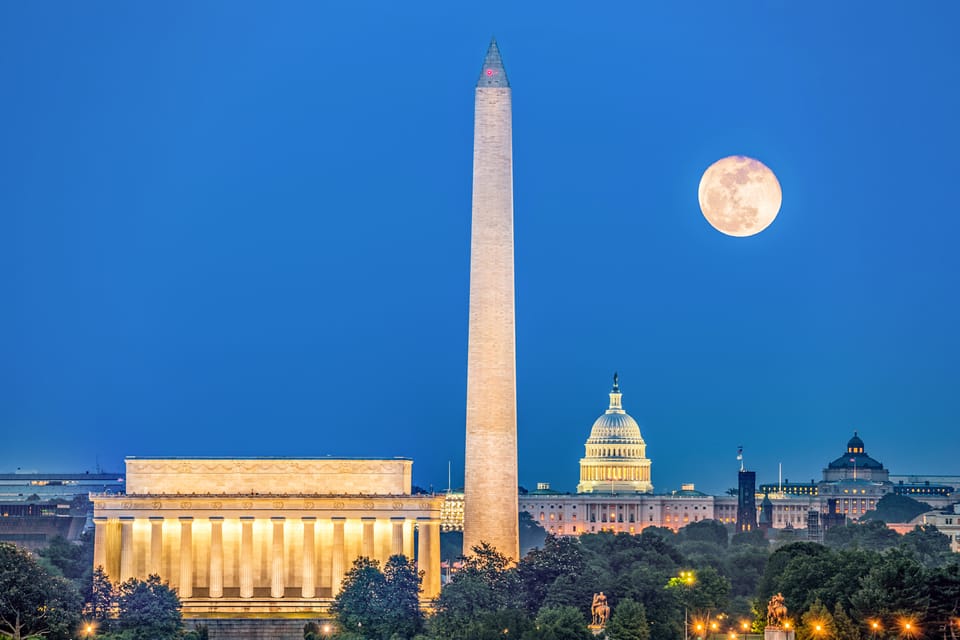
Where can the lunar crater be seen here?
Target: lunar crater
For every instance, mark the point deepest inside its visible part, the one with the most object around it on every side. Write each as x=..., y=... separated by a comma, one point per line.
x=739, y=196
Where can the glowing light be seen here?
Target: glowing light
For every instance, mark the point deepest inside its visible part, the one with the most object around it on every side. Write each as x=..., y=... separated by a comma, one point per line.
x=489, y=74
x=744, y=626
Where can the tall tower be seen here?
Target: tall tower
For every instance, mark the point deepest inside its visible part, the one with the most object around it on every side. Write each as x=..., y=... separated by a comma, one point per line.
x=490, y=512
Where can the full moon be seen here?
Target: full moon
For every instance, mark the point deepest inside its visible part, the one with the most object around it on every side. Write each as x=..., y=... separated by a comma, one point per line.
x=739, y=196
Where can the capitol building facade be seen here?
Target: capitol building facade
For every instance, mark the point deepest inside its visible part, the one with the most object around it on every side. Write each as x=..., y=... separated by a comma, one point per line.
x=615, y=490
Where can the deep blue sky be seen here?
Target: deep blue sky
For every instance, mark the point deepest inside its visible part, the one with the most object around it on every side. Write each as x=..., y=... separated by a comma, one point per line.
x=235, y=228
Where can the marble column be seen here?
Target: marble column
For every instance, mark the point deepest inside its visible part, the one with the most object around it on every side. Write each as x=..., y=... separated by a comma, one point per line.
x=155, y=559
x=308, y=586
x=127, y=568
x=246, y=556
x=100, y=542
x=216, y=557
x=428, y=556
x=367, y=540
x=276, y=572
x=186, y=557
x=396, y=540
x=337, y=565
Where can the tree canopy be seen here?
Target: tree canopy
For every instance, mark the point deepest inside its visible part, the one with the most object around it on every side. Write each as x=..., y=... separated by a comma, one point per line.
x=32, y=601
x=380, y=604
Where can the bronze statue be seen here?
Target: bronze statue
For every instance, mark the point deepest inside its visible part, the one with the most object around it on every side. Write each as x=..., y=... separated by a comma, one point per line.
x=776, y=612
x=600, y=609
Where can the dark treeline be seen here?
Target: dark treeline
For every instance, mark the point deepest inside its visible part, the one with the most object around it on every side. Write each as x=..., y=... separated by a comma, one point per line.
x=865, y=582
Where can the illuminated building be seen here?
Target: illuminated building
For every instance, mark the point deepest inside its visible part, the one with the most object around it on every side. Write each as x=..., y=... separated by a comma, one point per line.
x=615, y=492
x=947, y=522
x=35, y=507
x=616, y=455
x=263, y=537
x=490, y=463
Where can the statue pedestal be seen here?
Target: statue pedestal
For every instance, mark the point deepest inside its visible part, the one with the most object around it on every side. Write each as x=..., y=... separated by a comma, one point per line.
x=595, y=628
x=776, y=633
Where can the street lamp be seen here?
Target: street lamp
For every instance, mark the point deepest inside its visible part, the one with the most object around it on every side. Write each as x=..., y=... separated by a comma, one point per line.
x=909, y=628
x=684, y=579
x=744, y=626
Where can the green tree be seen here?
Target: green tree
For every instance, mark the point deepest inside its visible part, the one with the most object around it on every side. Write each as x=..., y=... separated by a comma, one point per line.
x=148, y=610
x=754, y=537
x=559, y=623
x=816, y=623
x=895, y=586
x=531, y=533
x=102, y=601
x=359, y=604
x=745, y=564
x=32, y=602
x=574, y=590
x=540, y=568
x=73, y=560
x=710, y=591
x=628, y=622
x=706, y=531
x=944, y=588
x=927, y=545
x=484, y=585
x=503, y=624
x=872, y=535
x=777, y=563
x=897, y=508
x=844, y=626
x=401, y=615
x=802, y=580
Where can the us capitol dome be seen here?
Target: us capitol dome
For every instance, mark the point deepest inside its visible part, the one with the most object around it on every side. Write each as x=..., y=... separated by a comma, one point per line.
x=615, y=460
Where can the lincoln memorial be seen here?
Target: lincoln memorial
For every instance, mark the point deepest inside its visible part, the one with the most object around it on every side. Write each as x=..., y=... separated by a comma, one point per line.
x=262, y=537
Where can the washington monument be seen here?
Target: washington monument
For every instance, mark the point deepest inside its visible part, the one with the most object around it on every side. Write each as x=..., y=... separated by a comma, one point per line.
x=490, y=474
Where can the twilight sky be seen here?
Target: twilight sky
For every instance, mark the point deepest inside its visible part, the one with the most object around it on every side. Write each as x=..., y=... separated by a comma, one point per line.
x=234, y=228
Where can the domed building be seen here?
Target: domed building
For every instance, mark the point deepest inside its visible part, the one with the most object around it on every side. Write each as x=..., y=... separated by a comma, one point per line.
x=616, y=455
x=855, y=464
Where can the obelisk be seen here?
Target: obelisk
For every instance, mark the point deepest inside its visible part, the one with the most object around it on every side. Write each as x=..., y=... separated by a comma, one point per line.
x=490, y=474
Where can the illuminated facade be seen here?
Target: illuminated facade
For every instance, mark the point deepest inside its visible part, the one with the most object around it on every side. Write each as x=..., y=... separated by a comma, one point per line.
x=616, y=455
x=490, y=463
x=263, y=537
x=947, y=522
x=451, y=514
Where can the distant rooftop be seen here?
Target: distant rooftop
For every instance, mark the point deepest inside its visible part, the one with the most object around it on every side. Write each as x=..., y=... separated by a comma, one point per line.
x=33, y=475
x=290, y=458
